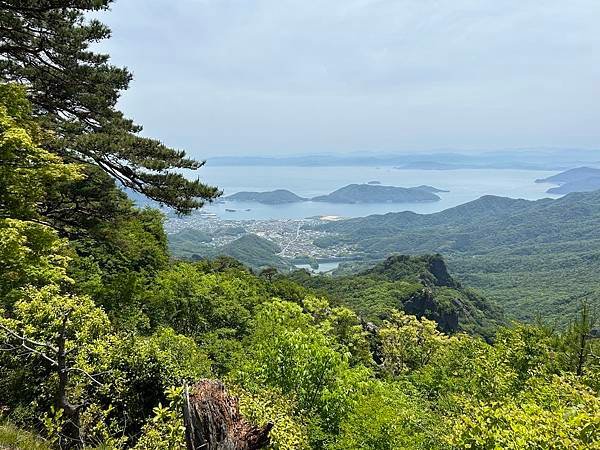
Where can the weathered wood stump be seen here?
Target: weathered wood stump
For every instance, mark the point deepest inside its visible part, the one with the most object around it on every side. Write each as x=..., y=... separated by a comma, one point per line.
x=213, y=420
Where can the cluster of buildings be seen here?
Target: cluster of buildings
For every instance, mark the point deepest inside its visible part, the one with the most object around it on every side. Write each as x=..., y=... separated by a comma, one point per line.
x=296, y=237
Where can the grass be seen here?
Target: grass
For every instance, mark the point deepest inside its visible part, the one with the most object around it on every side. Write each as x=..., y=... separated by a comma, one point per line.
x=14, y=438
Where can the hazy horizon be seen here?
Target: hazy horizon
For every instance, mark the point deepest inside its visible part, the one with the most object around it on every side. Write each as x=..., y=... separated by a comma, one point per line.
x=290, y=77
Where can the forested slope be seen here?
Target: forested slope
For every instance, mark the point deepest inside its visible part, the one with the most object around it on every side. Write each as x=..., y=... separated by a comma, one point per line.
x=529, y=256
x=416, y=285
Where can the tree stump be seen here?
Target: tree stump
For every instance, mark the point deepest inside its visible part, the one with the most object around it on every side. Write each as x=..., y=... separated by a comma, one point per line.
x=213, y=420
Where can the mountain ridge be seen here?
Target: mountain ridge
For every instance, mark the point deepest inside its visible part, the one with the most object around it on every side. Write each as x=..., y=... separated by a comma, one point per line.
x=528, y=256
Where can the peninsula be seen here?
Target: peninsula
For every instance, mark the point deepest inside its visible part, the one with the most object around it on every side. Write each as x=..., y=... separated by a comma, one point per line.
x=580, y=179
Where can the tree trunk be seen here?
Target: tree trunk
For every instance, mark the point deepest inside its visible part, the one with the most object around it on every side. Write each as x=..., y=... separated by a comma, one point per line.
x=213, y=421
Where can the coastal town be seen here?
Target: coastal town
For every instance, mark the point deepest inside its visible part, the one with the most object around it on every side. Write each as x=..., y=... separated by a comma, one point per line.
x=295, y=237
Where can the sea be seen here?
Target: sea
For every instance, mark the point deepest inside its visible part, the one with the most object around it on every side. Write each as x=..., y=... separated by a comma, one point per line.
x=463, y=185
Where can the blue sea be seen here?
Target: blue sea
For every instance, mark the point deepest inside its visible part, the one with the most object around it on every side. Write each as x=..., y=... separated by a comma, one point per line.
x=463, y=186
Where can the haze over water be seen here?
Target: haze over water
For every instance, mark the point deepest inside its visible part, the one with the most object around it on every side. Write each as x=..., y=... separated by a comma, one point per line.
x=464, y=186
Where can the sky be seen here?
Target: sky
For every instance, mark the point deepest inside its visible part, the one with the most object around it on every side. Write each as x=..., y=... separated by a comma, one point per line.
x=278, y=77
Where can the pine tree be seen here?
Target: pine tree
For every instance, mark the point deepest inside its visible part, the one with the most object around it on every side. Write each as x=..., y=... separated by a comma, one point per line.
x=45, y=45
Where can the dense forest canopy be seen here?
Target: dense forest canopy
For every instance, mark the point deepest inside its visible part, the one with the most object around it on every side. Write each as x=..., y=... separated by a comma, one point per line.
x=101, y=330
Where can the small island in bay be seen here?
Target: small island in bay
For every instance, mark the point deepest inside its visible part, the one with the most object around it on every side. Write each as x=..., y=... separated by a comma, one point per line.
x=580, y=179
x=276, y=197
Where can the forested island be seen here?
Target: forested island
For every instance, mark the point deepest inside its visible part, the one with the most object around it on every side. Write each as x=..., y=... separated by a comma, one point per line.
x=367, y=193
x=109, y=342
x=276, y=197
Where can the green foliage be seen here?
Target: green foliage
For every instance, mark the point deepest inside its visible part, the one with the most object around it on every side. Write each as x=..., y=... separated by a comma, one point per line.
x=165, y=431
x=41, y=314
x=270, y=405
x=288, y=352
x=195, y=302
x=408, y=343
x=53, y=320
x=30, y=254
x=141, y=368
x=390, y=416
x=26, y=169
x=555, y=413
x=343, y=325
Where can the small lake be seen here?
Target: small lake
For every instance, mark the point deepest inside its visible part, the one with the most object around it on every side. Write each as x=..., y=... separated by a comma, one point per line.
x=464, y=186
x=323, y=267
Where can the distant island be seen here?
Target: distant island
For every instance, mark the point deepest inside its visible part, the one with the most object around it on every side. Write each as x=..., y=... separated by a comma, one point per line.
x=276, y=197
x=368, y=193
x=353, y=193
x=431, y=165
x=374, y=182
x=580, y=179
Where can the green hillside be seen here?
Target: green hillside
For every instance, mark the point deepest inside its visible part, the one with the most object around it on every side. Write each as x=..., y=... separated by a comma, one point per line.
x=254, y=251
x=188, y=242
x=528, y=256
x=250, y=249
x=417, y=285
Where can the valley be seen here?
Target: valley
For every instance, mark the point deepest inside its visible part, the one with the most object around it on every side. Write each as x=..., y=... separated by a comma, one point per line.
x=530, y=257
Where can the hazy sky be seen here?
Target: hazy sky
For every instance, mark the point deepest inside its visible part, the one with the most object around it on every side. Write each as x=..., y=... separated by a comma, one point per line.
x=306, y=76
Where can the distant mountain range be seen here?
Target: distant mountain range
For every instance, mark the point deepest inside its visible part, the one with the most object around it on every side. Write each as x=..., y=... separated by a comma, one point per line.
x=531, y=159
x=580, y=179
x=353, y=193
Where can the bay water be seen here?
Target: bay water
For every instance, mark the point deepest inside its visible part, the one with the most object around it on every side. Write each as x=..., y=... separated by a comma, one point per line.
x=463, y=186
